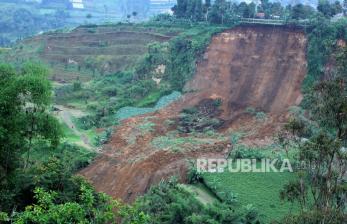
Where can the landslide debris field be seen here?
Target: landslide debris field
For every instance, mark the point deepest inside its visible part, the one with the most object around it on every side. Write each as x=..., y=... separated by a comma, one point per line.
x=246, y=67
x=87, y=51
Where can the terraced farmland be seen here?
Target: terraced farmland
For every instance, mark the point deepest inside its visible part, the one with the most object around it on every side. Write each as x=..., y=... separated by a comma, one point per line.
x=87, y=51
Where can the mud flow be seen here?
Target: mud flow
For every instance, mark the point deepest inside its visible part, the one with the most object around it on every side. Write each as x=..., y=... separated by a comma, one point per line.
x=258, y=67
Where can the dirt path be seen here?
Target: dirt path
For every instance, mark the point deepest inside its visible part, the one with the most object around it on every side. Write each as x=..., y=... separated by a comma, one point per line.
x=65, y=114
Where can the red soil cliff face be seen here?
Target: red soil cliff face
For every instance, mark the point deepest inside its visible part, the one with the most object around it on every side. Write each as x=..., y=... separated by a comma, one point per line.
x=260, y=67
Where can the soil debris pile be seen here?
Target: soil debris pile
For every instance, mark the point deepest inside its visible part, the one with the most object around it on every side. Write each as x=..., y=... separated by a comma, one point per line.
x=246, y=67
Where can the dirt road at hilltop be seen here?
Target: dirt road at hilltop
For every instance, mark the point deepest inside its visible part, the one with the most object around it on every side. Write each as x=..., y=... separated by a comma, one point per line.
x=261, y=67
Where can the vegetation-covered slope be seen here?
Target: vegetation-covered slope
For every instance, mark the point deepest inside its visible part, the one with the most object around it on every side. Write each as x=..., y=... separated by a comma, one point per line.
x=88, y=51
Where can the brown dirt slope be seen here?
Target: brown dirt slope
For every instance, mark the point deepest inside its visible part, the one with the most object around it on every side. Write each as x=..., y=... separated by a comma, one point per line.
x=261, y=67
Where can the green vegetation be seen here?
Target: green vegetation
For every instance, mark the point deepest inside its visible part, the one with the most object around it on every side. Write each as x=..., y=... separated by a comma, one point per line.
x=261, y=191
x=174, y=143
x=164, y=101
x=18, y=22
x=322, y=42
x=76, y=157
x=47, y=211
x=170, y=202
x=20, y=19
x=201, y=118
x=259, y=115
x=177, y=141
x=323, y=153
x=202, y=193
x=70, y=136
x=224, y=12
x=150, y=85
x=103, y=137
x=25, y=98
x=37, y=171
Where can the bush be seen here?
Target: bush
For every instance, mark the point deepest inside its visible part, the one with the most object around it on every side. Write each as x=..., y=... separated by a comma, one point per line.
x=193, y=175
x=251, y=110
x=200, y=118
x=110, y=91
x=243, y=152
x=170, y=203
x=260, y=116
x=86, y=122
x=77, y=86
x=104, y=137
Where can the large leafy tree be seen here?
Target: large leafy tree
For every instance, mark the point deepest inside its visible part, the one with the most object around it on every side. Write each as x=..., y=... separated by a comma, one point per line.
x=322, y=189
x=301, y=11
x=25, y=98
x=189, y=9
x=219, y=12
x=329, y=9
x=45, y=191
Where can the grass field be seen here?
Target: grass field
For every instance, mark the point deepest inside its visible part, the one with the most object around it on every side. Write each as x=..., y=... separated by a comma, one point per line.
x=259, y=190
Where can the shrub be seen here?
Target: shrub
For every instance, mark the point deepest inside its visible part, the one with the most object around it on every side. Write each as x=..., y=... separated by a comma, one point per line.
x=86, y=122
x=193, y=175
x=104, y=137
x=77, y=86
x=235, y=137
x=170, y=203
x=250, y=110
x=109, y=91
x=243, y=152
x=260, y=116
x=200, y=118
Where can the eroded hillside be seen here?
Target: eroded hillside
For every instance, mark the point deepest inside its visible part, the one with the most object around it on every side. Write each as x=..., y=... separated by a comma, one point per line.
x=258, y=67
x=261, y=67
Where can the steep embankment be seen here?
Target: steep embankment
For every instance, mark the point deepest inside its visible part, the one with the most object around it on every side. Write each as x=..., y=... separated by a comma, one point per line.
x=259, y=67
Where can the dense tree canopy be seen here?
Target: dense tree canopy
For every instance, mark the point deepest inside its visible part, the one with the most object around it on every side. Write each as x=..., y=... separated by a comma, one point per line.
x=321, y=189
x=44, y=190
x=24, y=108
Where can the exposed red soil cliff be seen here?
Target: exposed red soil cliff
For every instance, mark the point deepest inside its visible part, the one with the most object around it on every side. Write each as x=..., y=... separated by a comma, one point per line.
x=259, y=67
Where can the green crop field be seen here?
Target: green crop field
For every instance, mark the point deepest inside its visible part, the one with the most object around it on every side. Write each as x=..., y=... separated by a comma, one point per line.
x=257, y=190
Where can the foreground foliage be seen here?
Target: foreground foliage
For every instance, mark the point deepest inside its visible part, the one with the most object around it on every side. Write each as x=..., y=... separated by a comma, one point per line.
x=36, y=182
x=169, y=202
x=321, y=189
